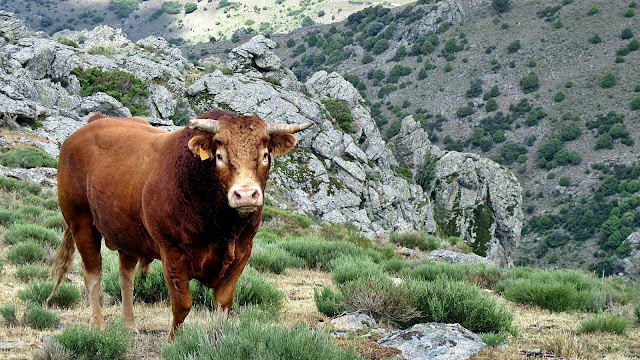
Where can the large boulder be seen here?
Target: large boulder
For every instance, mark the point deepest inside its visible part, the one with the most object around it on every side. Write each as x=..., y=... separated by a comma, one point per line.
x=434, y=341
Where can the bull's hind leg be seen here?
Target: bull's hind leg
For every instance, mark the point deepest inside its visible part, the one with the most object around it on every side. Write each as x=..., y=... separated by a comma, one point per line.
x=87, y=239
x=127, y=278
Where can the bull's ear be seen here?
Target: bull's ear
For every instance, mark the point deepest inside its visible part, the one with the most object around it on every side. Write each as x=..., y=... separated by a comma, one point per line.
x=281, y=143
x=201, y=146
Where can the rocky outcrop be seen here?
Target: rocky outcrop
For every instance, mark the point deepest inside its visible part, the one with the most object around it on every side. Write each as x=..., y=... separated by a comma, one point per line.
x=476, y=198
x=336, y=175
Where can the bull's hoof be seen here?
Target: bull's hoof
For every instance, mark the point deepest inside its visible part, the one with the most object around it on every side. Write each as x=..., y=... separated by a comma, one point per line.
x=134, y=329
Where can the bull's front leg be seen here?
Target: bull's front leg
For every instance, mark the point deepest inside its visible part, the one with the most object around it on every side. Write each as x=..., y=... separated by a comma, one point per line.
x=223, y=292
x=177, y=278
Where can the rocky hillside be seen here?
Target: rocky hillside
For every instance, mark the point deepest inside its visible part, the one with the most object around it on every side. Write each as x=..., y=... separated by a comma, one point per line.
x=550, y=90
x=52, y=84
x=183, y=21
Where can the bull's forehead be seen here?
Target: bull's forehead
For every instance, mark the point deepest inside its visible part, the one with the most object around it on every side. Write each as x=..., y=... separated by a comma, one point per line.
x=243, y=137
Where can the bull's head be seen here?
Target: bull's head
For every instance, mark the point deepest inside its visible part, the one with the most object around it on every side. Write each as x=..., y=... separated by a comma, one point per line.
x=242, y=147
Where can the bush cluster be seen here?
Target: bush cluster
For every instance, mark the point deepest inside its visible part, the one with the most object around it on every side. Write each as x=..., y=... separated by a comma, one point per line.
x=93, y=343
x=341, y=114
x=28, y=157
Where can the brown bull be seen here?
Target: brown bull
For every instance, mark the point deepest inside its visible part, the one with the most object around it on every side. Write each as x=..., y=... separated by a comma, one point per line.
x=192, y=198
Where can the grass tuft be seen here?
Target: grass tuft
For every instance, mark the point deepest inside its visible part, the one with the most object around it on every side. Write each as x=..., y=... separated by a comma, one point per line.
x=26, y=253
x=271, y=257
x=37, y=292
x=30, y=272
x=352, y=268
x=37, y=317
x=605, y=323
x=414, y=239
x=328, y=302
x=28, y=157
x=94, y=343
x=22, y=232
x=8, y=313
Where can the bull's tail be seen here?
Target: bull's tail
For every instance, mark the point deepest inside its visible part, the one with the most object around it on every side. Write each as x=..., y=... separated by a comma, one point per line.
x=63, y=261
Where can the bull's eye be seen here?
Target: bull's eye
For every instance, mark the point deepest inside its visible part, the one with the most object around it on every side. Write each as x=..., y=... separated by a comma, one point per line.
x=219, y=157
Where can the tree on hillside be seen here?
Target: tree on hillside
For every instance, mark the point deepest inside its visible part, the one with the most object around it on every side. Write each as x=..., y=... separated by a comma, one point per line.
x=501, y=6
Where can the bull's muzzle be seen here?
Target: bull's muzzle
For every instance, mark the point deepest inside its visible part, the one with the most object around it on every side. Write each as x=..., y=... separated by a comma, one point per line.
x=245, y=199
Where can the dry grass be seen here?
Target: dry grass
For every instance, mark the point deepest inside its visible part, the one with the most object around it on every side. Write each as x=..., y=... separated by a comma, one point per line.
x=554, y=333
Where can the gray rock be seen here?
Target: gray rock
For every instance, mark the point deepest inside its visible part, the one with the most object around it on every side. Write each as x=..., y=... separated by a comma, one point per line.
x=12, y=29
x=459, y=258
x=631, y=265
x=434, y=341
x=43, y=176
x=161, y=104
x=256, y=53
x=353, y=322
x=103, y=103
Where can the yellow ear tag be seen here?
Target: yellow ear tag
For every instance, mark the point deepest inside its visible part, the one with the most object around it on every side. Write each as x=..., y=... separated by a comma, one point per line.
x=204, y=154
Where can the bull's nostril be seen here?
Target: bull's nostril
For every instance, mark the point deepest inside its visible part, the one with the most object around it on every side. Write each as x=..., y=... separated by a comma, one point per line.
x=236, y=195
x=255, y=195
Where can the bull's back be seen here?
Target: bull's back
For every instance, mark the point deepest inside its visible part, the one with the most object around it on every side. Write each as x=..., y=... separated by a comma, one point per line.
x=102, y=169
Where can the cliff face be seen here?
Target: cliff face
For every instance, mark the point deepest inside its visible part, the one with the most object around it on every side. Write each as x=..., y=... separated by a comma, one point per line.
x=334, y=174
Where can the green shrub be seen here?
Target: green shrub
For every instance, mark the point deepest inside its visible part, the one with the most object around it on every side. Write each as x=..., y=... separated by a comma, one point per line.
x=119, y=84
x=250, y=340
x=629, y=13
x=501, y=6
x=380, y=46
x=448, y=301
x=493, y=339
x=190, y=7
x=25, y=253
x=413, y=239
x=636, y=311
x=626, y=34
x=23, y=232
x=564, y=181
x=347, y=268
x=254, y=289
x=93, y=343
x=328, y=302
x=605, y=323
x=380, y=298
x=22, y=186
x=592, y=11
x=340, y=113
x=171, y=7
x=608, y=81
x=595, y=39
x=434, y=270
x=530, y=83
x=8, y=313
x=123, y=8
x=55, y=221
x=30, y=272
x=395, y=265
x=513, y=46
x=37, y=292
x=318, y=252
x=555, y=290
x=37, y=317
x=491, y=105
x=635, y=103
x=28, y=157
x=559, y=96
x=271, y=257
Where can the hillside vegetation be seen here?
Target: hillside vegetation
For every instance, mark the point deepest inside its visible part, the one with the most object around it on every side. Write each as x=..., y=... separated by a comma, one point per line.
x=183, y=21
x=300, y=273
x=549, y=90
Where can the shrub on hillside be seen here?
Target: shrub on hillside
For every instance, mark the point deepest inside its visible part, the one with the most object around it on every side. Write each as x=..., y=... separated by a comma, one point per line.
x=253, y=289
x=123, y=8
x=434, y=270
x=626, y=34
x=271, y=257
x=608, y=81
x=346, y=268
x=605, y=323
x=190, y=7
x=26, y=252
x=8, y=313
x=28, y=157
x=171, y=7
x=513, y=46
x=318, y=253
x=119, y=84
x=37, y=292
x=501, y=6
x=414, y=239
x=18, y=233
x=530, y=83
x=379, y=297
x=29, y=272
x=37, y=317
x=444, y=300
x=251, y=340
x=94, y=343
x=328, y=302
x=340, y=113
x=595, y=39
x=635, y=103
x=559, y=96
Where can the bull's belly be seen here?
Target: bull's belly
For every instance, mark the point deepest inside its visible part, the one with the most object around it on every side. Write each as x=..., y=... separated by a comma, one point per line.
x=129, y=237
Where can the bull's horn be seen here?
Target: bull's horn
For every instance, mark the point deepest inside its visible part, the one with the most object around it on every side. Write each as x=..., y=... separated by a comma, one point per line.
x=284, y=128
x=205, y=125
